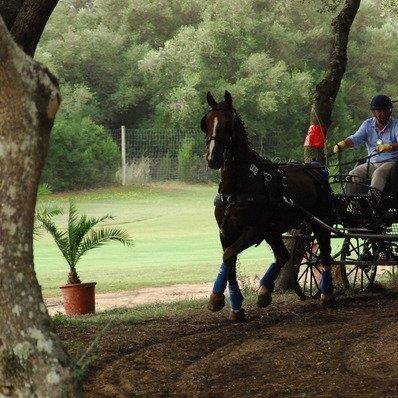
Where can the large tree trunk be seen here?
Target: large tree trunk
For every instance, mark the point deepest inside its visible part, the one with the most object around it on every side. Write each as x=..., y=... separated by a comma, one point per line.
x=326, y=91
x=322, y=106
x=32, y=361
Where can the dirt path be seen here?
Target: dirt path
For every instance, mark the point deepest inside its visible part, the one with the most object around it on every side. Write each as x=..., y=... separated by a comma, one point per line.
x=291, y=349
x=105, y=301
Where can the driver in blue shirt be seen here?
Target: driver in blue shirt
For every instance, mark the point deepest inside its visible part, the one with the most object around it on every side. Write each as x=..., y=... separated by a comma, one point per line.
x=380, y=136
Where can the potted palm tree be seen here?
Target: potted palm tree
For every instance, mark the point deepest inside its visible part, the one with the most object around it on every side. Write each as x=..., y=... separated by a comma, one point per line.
x=77, y=239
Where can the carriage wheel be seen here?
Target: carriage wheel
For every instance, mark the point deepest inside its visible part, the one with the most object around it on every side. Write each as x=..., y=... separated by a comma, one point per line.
x=307, y=266
x=359, y=263
x=389, y=252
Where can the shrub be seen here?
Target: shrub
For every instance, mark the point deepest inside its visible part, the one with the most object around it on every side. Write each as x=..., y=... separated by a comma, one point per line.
x=187, y=160
x=81, y=155
x=138, y=172
x=164, y=169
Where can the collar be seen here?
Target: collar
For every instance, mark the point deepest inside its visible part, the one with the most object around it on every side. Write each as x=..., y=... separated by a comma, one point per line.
x=385, y=127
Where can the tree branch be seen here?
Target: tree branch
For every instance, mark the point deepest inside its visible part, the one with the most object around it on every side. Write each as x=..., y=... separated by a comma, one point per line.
x=30, y=23
x=326, y=91
x=9, y=10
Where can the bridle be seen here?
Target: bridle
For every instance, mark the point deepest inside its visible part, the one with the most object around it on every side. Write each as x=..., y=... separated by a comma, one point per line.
x=227, y=143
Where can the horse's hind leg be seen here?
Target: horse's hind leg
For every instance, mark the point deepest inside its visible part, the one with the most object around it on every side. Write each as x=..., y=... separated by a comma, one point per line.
x=326, y=282
x=245, y=240
x=267, y=282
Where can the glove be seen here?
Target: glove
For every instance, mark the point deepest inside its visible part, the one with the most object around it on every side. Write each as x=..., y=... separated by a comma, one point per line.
x=339, y=146
x=384, y=147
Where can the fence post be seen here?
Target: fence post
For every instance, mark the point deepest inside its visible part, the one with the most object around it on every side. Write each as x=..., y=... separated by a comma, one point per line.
x=123, y=141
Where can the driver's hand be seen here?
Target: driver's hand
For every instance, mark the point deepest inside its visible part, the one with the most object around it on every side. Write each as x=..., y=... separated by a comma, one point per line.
x=339, y=146
x=384, y=147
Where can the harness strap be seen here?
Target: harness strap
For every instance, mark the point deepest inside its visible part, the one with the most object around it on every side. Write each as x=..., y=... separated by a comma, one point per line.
x=222, y=200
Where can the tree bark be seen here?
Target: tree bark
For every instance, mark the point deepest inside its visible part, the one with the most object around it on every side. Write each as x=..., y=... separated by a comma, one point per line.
x=322, y=106
x=9, y=10
x=32, y=361
x=30, y=23
x=26, y=20
x=326, y=91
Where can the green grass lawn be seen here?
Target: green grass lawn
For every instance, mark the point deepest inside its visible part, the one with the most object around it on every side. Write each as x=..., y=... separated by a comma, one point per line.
x=175, y=240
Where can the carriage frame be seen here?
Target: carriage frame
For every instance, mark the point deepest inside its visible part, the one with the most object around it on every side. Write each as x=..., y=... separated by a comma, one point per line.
x=364, y=241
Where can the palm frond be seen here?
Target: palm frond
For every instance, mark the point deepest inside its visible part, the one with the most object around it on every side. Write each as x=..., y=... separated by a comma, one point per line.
x=60, y=237
x=48, y=211
x=44, y=211
x=100, y=236
x=73, y=231
x=78, y=228
x=43, y=190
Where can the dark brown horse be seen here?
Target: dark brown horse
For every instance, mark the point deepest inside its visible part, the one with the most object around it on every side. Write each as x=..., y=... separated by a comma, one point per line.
x=258, y=200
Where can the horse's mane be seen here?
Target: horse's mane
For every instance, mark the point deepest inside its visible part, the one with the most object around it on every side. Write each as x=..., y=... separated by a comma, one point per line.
x=241, y=127
x=242, y=131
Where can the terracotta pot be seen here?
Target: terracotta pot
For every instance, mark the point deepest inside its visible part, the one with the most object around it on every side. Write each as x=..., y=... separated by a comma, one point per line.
x=79, y=299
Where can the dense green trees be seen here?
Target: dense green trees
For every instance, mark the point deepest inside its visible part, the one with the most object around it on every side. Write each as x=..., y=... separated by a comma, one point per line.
x=148, y=63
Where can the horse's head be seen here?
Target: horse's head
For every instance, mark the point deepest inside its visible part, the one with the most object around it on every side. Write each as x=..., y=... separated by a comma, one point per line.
x=218, y=125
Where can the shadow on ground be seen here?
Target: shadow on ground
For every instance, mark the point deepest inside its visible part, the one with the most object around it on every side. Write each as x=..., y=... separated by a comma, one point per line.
x=291, y=349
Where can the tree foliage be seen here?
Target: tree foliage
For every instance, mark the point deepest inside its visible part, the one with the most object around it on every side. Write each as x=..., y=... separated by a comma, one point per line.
x=81, y=155
x=149, y=63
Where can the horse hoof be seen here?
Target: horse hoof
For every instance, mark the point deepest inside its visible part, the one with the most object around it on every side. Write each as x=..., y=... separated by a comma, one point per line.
x=237, y=316
x=216, y=302
x=264, y=298
x=327, y=300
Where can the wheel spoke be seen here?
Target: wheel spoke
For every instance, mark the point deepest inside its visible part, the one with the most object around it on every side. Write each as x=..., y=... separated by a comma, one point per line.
x=362, y=279
x=302, y=274
x=316, y=283
x=305, y=280
x=352, y=270
x=366, y=274
x=355, y=277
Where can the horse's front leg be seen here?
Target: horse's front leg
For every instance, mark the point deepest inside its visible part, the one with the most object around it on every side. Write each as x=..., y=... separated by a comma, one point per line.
x=227, y=275
x=267, y=282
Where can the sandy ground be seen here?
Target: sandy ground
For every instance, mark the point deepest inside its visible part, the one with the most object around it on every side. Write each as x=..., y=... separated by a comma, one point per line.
x=105, y=301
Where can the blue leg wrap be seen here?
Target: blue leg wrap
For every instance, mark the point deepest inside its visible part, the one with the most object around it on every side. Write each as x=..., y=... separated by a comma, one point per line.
x=326, y=283
x=268, y=280
x=221, y=281
x=235, y=295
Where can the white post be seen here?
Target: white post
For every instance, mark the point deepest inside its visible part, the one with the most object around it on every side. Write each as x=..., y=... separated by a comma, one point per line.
x=123, y=139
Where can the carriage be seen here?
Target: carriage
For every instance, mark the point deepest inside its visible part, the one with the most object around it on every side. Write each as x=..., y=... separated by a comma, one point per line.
x=364, y=238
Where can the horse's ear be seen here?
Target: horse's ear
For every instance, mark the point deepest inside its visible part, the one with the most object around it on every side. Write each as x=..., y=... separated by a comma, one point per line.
x=210, y=100
x=228, y=98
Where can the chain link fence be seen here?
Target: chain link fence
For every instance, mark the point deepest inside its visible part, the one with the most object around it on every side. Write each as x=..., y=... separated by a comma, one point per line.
x=148, y=155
